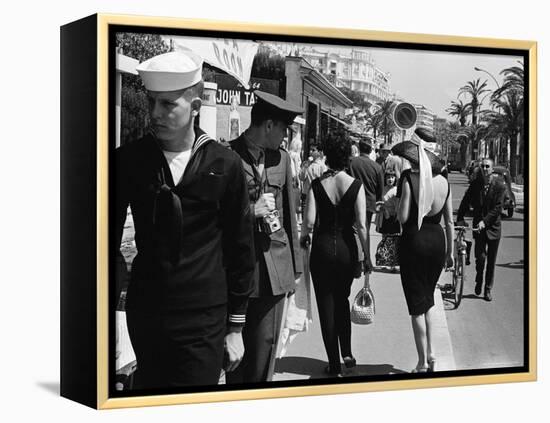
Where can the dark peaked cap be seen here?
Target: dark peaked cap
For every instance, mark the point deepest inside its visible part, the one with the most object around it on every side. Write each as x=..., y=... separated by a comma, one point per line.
x=274, y=107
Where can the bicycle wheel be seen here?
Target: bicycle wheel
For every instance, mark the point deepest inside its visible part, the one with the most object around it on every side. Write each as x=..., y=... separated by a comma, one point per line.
x=459, y=277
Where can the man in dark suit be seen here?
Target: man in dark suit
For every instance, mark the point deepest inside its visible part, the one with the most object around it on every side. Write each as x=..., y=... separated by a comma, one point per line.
x=191, y=278
x=370, y=174
x=486, y=195
x=268, y=173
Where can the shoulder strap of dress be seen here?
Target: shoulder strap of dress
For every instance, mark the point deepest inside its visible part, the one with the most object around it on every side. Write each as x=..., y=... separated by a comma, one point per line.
x=315, y=185
x=357, y=185
x=440, y=212
x=351, y=193
x=401, y=182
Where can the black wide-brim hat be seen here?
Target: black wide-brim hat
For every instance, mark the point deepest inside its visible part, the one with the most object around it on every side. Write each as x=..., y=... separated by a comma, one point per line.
x=409, y=151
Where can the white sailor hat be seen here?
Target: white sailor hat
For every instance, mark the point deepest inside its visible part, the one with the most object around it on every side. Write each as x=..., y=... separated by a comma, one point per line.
x=171, y=71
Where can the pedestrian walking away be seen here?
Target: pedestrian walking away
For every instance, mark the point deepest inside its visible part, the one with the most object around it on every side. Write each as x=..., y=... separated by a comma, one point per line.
x=268, y=172
x=337, y=202
x=486, y=196
x=191, y=278
x=314, y=169
x=370, y=174
x=424, y=248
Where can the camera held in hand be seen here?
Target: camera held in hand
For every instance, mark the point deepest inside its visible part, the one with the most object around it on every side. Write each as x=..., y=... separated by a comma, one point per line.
x=270, y=223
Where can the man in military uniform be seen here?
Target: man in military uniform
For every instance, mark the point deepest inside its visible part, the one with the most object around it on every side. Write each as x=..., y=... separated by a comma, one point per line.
x=191, y=278
x=278, y=258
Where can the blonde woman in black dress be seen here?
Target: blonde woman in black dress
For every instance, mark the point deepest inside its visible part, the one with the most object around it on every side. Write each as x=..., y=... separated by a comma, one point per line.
x=425, y=196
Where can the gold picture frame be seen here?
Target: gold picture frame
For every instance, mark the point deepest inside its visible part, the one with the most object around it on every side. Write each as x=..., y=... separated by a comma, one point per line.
x=86, y=70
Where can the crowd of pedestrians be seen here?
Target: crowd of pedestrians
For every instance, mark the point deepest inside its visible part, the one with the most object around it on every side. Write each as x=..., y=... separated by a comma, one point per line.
x=220, y=250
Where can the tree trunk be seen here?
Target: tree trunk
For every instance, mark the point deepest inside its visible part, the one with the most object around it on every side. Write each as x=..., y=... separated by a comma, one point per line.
x=514, y=158
x=511, y=153
x=463, y=153
x=521, y=167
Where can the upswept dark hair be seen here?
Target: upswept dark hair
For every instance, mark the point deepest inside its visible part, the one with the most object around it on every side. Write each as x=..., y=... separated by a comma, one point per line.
x=337, y=149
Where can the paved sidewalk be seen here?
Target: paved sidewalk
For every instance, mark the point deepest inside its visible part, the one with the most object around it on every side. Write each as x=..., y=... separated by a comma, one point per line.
x=384, y=347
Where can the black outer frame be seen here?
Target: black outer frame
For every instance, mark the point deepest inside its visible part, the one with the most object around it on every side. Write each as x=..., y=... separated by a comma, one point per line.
x=78, y=265
x=79, y=207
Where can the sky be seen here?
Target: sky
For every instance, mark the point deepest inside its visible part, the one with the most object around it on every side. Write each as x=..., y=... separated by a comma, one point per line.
x=434, y=78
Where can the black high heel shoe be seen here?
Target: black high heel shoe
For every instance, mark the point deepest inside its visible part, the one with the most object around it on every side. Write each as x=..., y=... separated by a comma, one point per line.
x=431, y=365
x=350, y=362
x=420, y=369
x=329, y=371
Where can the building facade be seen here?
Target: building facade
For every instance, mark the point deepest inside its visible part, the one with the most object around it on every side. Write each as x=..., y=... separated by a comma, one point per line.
x=323, y=103
x=356, y=71
x=440, y=125
x=425, y=117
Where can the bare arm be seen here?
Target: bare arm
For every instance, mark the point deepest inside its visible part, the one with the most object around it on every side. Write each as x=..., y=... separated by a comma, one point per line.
x=309, y=219
x=449, y=229
x=361, y=226
x=404, y=203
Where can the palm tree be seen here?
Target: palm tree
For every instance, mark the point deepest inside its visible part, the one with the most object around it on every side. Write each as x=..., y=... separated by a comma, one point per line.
x=513, y=81
x=508, y=122
x=460, y=110
x=474, y=89
x=474, y=133
x=374, y=122
x=456, y=130
x=387, y=125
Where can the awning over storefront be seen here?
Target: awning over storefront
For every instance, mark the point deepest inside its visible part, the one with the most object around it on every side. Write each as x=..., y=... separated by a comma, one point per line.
x=230, y=55
x=340, y=121
x=337, y=120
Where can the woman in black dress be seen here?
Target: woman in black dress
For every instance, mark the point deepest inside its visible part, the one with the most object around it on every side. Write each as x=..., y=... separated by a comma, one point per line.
x=424, y=248
x=335, y=203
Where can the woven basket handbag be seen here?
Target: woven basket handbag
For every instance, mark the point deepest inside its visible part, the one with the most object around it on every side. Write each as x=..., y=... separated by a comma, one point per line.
x=363, y=307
